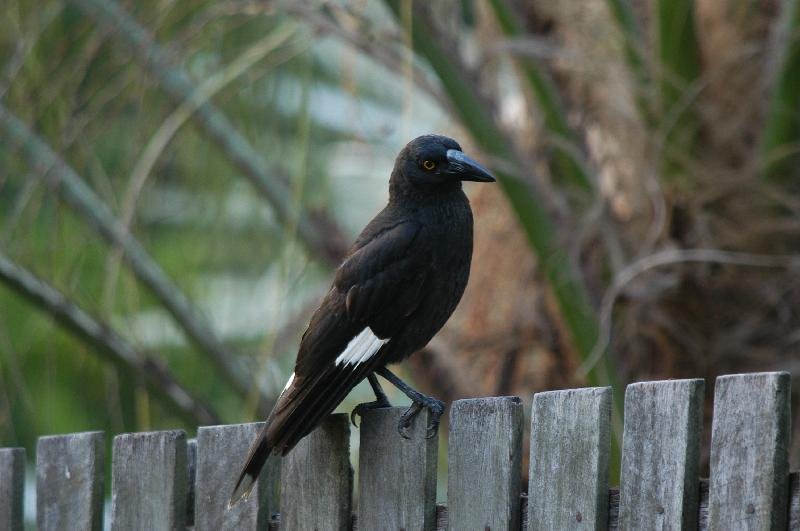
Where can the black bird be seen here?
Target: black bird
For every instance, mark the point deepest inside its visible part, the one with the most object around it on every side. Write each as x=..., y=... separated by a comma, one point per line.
x=399, y=284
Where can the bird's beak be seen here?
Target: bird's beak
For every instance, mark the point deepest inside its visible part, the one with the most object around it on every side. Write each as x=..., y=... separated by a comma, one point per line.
x=467, y=169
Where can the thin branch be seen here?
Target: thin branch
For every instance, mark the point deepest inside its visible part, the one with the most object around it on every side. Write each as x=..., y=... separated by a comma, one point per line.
x=317, y=230
x=105, y=341
x=566, y=164
x=376, y=48
x=671, y=257
x=84, y=201
x=172, y=124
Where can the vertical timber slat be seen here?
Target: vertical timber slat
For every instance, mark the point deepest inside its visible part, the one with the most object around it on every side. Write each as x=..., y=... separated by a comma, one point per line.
x=702, y=509
x=794, y=501
x=397, y=476
x=485, y=447
x=317, y=479
x=661, y=455
x=613, y=508
x=191, y=474
x=12, y=487
x=748, y=487
x=221, y=451
x=569, y=455
x=70, y=478
x=148, y=481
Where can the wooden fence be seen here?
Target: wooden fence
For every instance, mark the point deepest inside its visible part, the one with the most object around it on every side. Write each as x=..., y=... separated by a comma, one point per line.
x=161, y=480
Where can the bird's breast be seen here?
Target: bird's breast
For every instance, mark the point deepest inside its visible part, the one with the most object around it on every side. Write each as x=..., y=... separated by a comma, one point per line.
x=451, y=253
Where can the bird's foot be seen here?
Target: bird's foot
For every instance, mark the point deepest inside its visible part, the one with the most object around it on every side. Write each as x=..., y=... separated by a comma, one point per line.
x=435, y=410
x=362, y=408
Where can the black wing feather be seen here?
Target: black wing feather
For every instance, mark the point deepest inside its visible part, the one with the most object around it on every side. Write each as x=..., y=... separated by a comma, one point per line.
x=379, y=285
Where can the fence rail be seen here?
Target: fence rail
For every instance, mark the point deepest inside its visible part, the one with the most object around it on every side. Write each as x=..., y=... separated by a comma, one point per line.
x=161, y=480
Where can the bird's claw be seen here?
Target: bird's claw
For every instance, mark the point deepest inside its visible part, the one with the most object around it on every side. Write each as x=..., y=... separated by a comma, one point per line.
x=405, y=420
x=435, y=410
x=362, y=408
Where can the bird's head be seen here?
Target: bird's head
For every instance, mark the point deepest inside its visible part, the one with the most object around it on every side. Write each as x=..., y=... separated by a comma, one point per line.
x=434, y=162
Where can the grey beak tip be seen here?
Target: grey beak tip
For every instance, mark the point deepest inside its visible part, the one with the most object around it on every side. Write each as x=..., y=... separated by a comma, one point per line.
x=468, y=169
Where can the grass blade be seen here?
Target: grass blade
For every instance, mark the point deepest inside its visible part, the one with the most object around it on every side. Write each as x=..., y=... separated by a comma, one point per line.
x=564, y=167
x=782, y=128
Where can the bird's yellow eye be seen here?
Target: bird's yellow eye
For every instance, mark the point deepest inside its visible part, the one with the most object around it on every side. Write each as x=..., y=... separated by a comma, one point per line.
x=429, y=165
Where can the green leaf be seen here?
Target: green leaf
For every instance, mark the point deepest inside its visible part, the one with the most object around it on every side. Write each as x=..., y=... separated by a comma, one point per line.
x=779, y=151
x=679, y=55
x=564, y=167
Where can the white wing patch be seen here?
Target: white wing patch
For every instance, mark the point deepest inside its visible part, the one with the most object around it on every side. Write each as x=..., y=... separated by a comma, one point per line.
x=285, y=387
x=361, y=348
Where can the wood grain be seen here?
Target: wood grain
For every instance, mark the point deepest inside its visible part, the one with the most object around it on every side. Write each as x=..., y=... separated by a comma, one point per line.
x=191, y=475
x=148, y=481
x=749, y=458
x=485, y=447
x=570, y=445
x=12, y=485
x=221, y=451
x=70, y=479
x=397, y=476
x=317, y=479
x=661, y=455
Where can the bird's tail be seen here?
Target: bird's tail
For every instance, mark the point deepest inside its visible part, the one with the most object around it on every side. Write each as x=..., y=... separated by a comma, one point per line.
x=260, y=450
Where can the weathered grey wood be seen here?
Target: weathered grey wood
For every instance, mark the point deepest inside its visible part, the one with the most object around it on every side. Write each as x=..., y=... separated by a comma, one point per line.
x=148, y=480
x=397, y=476
x=570, y=445
x=485, y=451
x=221, y=451
x=613, y=509
x=441, y=517
x=523, y=510
x=70, y=478
x=317, y=479
x=794, y=501
x=191, y=474
x=702, y=511
x=749, y=457
x=661, y=455
x=12, y=488
x=441, y=514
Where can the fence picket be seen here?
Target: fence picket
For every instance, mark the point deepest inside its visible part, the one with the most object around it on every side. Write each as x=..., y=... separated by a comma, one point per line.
x=661, y=455
x=191, y=474
x=749, y=458
x=570, y=445
x=221, y=451
x=70, y=478
x=12, y=485
x=485, y=448
x=148, y=480
x=397, y=476
x=317, y=479
x=794, y=501
x=162, y=481
x=702, y=510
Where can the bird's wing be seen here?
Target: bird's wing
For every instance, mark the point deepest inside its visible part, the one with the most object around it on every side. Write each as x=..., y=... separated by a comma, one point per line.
x=374, y=290
x=382, y=280
x=373, y=294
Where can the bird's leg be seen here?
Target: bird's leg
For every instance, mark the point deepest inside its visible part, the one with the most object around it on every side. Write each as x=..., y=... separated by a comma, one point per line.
x=418, y=401
x=380, y=400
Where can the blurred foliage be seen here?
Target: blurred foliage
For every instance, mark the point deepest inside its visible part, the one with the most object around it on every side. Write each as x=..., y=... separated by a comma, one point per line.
x=195, y=215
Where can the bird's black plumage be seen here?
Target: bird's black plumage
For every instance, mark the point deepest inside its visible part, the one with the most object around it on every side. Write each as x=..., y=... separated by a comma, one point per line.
x=399, y=284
